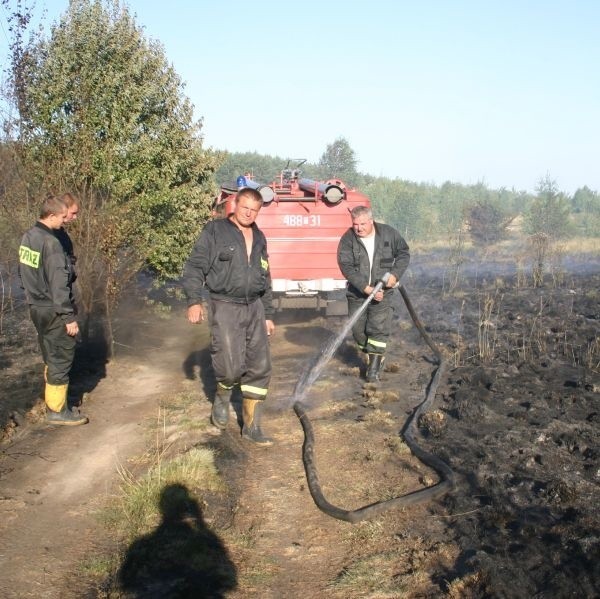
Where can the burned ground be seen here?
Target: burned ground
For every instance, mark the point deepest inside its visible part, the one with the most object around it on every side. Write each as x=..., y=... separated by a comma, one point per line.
x=516, y=416
x=521, y=409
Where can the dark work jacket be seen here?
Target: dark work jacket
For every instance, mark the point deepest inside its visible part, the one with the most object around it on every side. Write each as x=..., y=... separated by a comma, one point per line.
x=44, y=271
x=390, y=255
x=67, y=246
x=220, y=263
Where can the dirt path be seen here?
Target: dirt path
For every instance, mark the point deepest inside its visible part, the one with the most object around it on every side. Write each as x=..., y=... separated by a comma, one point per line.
x=275, y=506
x=54, y=479
x=287, y=530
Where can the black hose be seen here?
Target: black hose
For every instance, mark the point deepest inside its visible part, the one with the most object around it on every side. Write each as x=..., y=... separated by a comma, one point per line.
x=446, y=474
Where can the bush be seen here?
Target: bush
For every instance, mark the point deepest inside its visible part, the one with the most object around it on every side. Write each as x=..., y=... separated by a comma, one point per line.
x=549, y=212
x=487, y=222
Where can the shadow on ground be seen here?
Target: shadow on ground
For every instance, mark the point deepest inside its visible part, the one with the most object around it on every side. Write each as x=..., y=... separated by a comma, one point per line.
x=181, y=558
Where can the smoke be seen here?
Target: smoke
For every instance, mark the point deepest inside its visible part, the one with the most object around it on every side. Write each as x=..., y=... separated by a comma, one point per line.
x=314, y=369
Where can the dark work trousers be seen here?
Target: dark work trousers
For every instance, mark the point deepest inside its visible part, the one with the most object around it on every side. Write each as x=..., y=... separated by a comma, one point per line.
x=239, y=346
x=58, y=348
x=372, y=329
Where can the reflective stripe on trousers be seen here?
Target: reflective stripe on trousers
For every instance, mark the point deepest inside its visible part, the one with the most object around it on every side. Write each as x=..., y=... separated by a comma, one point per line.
x=372, y=329
x=239, y=347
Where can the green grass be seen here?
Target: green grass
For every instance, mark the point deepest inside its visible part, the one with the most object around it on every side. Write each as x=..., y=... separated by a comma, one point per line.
x=176, y=414
x=364, y=532
x=371, y=574
x=136, y=510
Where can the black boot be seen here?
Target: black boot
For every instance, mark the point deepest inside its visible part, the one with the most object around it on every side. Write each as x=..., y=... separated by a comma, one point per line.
x=219, y=413
x=66, y=417
x=57, y=409
x=251, y=429
x=375, y=364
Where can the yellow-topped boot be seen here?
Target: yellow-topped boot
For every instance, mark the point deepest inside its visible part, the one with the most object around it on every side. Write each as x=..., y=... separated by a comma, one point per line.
x=57, y=410
x=251, y=429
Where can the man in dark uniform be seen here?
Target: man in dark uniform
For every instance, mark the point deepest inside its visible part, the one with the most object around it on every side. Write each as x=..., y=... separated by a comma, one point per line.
x=230, y=259
x=44, y=271
x=72, y=204
x=366, y=252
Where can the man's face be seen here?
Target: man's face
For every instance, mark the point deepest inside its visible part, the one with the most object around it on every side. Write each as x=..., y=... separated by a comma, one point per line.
x=363, y=225
x=56, y=221
x=72, y=213
x=245, y=211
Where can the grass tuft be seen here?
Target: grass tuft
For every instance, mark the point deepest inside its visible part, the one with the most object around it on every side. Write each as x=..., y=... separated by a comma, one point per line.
x=137, y=509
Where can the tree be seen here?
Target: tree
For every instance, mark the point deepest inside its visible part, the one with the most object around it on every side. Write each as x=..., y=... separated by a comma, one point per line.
x=488, y=214
x=103, y=115
x=339, y=162
x=263, y=168
x=549, y=213
x=586, y=208
x=586, y=201
x=488, y=221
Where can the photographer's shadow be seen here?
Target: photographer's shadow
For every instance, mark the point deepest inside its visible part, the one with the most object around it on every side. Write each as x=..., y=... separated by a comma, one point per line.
x=182, y=558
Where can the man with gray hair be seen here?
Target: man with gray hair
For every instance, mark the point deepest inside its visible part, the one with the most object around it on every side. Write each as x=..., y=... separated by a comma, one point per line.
x=366, y=252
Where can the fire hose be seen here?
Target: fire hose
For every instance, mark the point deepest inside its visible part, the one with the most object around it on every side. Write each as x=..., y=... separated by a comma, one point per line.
x=409, y=432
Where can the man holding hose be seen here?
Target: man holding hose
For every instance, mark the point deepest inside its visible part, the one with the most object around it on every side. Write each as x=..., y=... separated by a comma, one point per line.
x=366, y=252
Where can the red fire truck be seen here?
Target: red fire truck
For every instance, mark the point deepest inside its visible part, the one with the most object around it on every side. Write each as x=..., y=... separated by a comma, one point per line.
x=303, y=221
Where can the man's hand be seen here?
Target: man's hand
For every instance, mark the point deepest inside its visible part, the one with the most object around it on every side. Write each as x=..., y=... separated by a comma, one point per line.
x=195, y=313
x=72, y=329
x=270, y=327
x=391, y=281
x=369, y=289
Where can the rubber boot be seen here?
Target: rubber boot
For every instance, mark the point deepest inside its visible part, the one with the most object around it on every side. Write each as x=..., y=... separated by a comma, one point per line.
x=251, y=429
x=66, y=417
x=375, y=364
x=219, y=414
x=57, y=410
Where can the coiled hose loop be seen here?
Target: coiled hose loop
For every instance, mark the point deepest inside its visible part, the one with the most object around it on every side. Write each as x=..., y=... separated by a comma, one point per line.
x=409, y=431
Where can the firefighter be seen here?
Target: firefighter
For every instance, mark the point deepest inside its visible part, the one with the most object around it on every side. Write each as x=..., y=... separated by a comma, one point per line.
x=230, y=260
x=72, y=204
x=366, y=252
x=46, y=278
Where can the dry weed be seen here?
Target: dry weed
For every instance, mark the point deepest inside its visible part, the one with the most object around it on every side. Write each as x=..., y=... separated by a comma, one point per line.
x=556, y=256
x=470, y=586
x=379, y=418
x=592, y=355
x=538, y=247
x=397, y=446
x=434, y=423
x=489, y=312
x=458, y=344
x=456, y=258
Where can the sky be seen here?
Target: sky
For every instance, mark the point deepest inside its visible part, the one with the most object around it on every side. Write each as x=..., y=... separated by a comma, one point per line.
x=500, y=92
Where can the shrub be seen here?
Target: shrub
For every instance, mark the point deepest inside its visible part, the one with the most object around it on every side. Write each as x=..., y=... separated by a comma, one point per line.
x=487, y=222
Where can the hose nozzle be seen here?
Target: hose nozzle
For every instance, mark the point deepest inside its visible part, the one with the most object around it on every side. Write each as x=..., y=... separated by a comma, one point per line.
x=380, y=284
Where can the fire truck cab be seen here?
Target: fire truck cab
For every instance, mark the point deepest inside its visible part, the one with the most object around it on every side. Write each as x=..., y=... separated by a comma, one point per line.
x=303, y=221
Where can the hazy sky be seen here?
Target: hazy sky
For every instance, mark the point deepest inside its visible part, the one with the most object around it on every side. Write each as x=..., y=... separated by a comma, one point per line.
x=502, y=92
